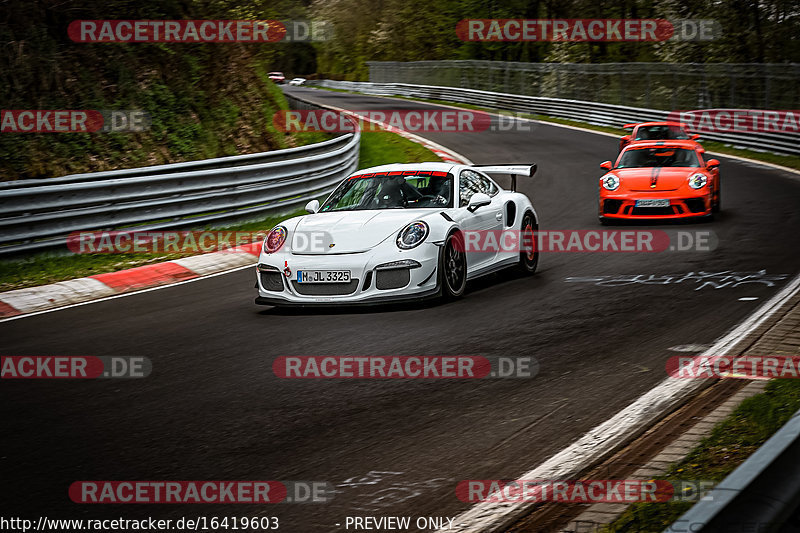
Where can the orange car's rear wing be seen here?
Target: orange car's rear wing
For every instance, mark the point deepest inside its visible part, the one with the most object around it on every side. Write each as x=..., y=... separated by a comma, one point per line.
x=664, y=123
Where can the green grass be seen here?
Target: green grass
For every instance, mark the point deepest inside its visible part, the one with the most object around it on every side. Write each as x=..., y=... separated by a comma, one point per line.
x=711, y=146
x=731, y=442
x=381, y=147
x=377, y=148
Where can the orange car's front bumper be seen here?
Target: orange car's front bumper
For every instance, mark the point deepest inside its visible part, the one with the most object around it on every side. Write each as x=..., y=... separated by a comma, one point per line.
x=624, y=207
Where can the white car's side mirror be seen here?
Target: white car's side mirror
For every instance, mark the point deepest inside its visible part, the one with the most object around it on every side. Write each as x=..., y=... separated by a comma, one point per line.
x=478, y=199
x=312, y=206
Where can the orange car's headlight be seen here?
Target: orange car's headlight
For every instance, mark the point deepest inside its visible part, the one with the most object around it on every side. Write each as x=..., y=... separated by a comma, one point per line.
x=610, y=182
x=698, y=181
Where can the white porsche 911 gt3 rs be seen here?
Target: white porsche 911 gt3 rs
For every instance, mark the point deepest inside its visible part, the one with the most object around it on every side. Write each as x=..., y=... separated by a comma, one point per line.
x=397, y=232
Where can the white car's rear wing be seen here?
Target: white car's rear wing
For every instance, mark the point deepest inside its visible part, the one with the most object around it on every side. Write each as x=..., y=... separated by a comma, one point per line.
x=513, y=170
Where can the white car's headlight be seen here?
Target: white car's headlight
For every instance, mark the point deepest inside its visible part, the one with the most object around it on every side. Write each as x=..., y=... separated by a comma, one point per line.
x=698, y=181
x=412, y=235
x=610, y=182
x=275, y=239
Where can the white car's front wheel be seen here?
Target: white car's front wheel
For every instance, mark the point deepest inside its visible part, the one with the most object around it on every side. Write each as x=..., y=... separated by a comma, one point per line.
x=453, y=267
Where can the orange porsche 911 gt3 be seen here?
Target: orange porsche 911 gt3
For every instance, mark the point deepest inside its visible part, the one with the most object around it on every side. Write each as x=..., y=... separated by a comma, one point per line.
x=660, y=179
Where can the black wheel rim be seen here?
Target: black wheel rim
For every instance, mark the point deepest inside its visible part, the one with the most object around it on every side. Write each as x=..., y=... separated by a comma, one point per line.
x=454, y=270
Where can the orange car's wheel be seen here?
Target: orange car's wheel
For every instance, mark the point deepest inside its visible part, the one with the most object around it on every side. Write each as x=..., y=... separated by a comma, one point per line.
x=716, y=203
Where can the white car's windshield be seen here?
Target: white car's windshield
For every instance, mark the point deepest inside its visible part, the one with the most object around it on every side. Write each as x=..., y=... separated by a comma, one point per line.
x=658, y=157
x=392, y=190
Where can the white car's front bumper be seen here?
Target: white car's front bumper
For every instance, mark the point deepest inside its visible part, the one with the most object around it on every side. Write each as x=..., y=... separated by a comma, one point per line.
x=370, y=282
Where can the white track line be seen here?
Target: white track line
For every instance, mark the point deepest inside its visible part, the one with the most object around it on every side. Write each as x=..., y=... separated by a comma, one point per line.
x=610, y=436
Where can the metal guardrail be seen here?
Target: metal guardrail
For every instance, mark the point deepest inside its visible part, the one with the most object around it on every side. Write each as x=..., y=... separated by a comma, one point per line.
x=762, y=494
x=660, y=85
x=40, y=214
x=584, y=111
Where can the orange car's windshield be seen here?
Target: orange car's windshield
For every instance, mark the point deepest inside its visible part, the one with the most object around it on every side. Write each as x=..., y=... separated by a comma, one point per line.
x=658, y=157
x=659, y=132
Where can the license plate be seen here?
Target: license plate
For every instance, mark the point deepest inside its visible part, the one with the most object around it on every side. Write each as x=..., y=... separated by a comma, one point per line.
x=323, y=276
x=652, y=203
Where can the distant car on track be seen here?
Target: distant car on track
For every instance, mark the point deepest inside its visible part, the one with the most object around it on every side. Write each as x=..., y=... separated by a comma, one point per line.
x=396, y=232
x=277, y=77
x=656, y=131
x=297, y=81
x=660, y=179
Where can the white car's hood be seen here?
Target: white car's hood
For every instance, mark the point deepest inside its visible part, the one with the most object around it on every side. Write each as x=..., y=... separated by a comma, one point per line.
x=343, y=232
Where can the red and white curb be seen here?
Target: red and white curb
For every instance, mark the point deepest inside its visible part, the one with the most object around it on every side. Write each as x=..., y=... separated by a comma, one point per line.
x=81, y=290
x=74, y=291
